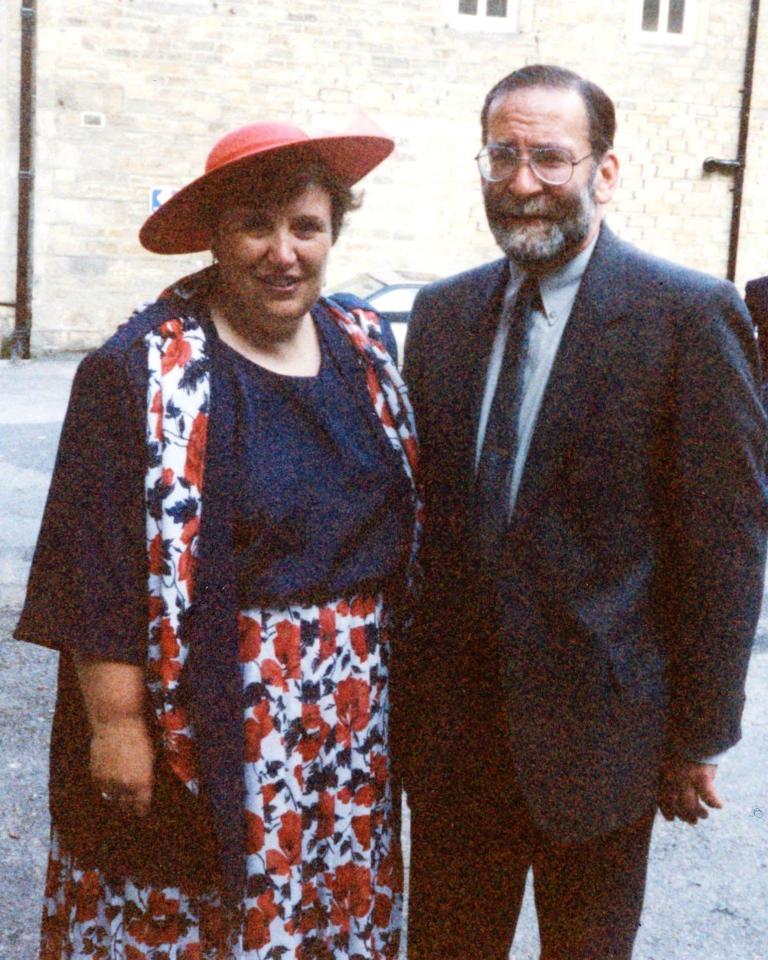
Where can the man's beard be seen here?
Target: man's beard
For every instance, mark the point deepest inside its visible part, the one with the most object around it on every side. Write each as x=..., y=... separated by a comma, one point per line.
x=565, y=225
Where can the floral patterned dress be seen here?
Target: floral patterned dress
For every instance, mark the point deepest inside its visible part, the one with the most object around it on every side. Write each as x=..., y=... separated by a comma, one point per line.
x=324, y=872
x=322, y=859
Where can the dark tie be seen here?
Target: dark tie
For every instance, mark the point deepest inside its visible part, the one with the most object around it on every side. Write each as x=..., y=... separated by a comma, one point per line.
x=497, y=457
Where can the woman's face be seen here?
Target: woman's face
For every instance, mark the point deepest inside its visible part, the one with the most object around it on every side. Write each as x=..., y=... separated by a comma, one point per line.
x=272, y=261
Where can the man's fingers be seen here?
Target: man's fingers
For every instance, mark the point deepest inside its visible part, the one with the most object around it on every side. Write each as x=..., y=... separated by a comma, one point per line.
x=667, y=809
x=687, y=790
x=690, y=805
x=709, y=795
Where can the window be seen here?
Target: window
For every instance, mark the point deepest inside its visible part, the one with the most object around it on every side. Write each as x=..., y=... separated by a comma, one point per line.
x=489, y=15
x=666, y=21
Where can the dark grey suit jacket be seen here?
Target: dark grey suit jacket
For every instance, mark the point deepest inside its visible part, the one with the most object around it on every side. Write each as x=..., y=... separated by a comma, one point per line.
x=633, y=567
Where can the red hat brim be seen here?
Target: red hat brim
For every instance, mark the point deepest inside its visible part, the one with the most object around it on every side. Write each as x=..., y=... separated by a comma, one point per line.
x=183, y=225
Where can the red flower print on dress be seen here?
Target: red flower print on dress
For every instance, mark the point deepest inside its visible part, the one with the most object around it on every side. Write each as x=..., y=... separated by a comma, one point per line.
x=314, y=733
x=353, y=706
x=272, y=674
x=362, y=828
x=254, y=832
x=156, y=407
x=190, y=529
x=177, y=350
x=363, y=606
x=388, y=875
x=288, y=648
x=211, y=927
x=379, y=768
x=257, y=726
x=52, y=879
x=357, y=636
x=170, y=667
x=382, y=910
x=88, y=895
x=161, y=905
x=351, y=886
x=182, y=756
x=268, y=793
x=249, y=631
x=156, y=554
x=412, y=451
x=311, y=909
x=179, y=749
x=169, y=644
x=187, y=568
x=365, y=796
x=194, y=466
x=326, y=816
x=161, y=924
x=289, y=837
x=155, y=607
x=327, y=621
x=257, y=921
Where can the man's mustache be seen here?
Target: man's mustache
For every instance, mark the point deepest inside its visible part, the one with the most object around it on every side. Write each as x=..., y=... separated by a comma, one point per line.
x=544, y=207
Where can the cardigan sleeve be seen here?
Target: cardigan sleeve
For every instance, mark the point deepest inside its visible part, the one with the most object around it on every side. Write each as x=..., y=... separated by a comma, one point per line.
x=87, y=585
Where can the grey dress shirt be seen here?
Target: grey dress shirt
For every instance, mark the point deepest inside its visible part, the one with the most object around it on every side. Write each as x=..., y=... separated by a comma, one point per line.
x=558, y=292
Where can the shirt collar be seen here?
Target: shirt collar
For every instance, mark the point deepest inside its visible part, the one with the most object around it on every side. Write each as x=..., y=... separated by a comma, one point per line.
x=559, y=288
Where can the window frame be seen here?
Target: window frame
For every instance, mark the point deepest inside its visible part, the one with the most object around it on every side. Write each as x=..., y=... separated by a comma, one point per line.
x=662, y=37
x=481, y=22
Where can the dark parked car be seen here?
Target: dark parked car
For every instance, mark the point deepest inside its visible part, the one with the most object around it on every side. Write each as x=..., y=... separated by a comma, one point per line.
x=391, y=293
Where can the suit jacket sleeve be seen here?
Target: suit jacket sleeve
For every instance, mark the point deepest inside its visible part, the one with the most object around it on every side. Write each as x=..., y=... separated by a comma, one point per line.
x=715, y=524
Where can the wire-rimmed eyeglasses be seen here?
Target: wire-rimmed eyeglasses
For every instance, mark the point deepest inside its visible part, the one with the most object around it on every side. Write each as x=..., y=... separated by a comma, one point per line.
x=497, y=162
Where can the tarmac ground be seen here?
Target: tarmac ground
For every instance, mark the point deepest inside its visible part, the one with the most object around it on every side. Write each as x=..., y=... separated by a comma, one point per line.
x=707, y=894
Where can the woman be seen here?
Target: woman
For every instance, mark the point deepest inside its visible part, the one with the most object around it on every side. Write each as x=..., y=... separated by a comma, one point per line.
x=229, y=527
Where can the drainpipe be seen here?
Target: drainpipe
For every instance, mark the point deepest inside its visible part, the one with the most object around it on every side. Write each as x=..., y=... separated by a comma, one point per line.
x=738, y=166
x=23, y=325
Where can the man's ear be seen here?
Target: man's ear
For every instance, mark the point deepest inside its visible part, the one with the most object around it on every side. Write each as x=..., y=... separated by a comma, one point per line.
x=606, y=177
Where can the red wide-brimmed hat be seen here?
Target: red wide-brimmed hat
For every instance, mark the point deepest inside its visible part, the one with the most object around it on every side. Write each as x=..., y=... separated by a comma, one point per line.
x=180, y=225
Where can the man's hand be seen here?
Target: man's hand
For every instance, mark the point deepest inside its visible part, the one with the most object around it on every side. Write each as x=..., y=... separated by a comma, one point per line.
x=122, y=759
x=684, y=789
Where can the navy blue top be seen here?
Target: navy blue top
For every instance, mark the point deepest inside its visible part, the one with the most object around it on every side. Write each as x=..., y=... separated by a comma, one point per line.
x=322, y=504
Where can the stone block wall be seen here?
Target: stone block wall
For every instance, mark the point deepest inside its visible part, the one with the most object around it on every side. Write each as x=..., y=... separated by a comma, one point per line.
x=131, y=94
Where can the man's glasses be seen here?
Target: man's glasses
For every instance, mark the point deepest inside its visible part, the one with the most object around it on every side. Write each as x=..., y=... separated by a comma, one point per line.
x=551, y=165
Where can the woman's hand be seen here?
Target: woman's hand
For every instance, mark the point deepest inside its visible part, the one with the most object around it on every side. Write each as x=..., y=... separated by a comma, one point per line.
x=122, y=755
x=122, y=761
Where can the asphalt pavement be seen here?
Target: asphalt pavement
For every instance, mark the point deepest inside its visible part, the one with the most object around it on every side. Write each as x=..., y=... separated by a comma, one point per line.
x=707, y=891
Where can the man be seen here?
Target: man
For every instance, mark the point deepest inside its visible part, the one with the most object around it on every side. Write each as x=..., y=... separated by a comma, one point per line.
x=593, y=552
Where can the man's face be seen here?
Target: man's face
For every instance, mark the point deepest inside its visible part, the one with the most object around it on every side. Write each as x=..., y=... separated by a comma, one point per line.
x=540, y=225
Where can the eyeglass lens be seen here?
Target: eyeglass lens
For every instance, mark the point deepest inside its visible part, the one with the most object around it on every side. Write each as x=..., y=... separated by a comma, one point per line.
x=548, y=164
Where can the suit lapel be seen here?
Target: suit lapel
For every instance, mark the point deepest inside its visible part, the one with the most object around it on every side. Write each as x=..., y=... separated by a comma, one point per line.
x=599, y=305
x=484, y=317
